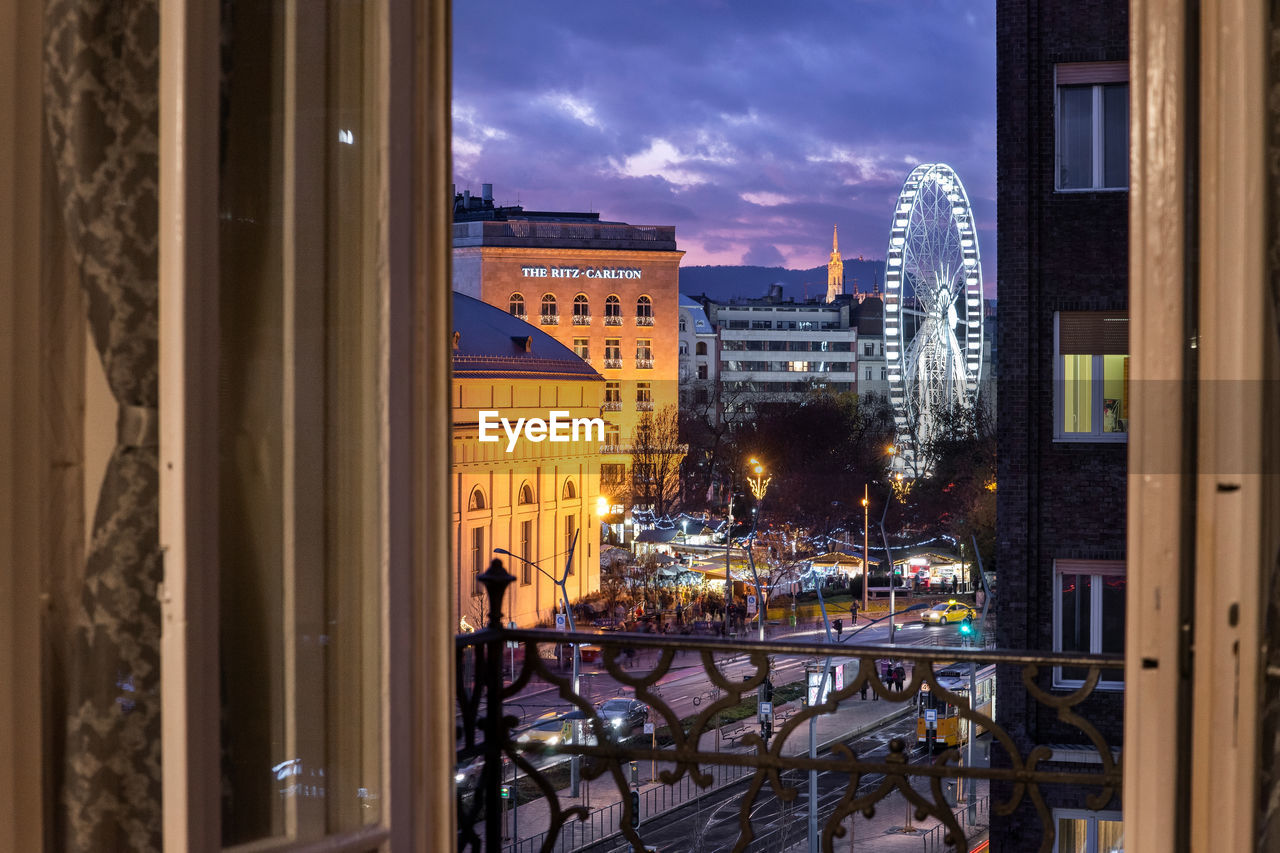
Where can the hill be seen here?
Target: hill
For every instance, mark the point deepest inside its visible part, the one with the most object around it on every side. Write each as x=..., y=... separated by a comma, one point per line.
x=726, y=282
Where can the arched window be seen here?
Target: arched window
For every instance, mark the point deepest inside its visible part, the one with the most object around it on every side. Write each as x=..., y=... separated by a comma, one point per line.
x=644, y=311
x=613, y=311
x=549, y=315
x=570, y=492
x=526, y=495
x=581, y=310
x=476, y=500
x=517, y=305
x=702, y=348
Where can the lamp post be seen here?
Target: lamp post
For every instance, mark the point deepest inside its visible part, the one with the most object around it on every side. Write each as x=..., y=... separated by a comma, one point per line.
x=866, y=550
x=759, y=485
x=576, y=763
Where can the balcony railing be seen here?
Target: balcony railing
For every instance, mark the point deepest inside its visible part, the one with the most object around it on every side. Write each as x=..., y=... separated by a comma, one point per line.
x=612, y=320
x=613, y=364
x=644, y=320
x=520, y=315
x=644, y=364
x=644, y=405
x=687, y=683
x=550, y=319
x=582, y=319
x=612, y=406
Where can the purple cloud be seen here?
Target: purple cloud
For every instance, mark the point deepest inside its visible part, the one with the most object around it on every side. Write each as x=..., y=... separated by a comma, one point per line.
x=750, y=126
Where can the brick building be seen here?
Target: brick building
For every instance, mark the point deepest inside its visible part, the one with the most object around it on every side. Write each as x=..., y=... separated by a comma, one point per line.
x=1062, y=161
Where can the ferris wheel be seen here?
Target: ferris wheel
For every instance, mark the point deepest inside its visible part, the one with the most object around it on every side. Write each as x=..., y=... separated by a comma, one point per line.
x=933, y=309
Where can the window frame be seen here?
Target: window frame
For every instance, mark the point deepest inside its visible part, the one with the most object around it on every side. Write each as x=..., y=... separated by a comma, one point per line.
x=1097, y=570
x=1095, y=76
x=512, y=301
x=1097, y=395
x=1091, y=832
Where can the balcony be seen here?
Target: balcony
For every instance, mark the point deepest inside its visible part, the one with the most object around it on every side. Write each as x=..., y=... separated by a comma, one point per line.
x=644, y=320
x=644, y=405
x=614, y=449
x=690, y=755
x=613, y=364
x=582, y=319
x=521, y=315
x=550, y=319
x=612, y=320
x=644, y=364
x=612, y=406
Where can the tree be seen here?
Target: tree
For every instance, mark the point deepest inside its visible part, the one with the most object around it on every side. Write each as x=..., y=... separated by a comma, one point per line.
x=959, y=496
x=656, y=454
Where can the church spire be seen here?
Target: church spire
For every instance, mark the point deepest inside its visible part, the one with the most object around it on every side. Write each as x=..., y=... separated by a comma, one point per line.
x=835, y=268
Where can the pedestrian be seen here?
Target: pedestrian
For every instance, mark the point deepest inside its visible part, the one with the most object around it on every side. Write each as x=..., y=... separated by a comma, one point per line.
x=899, y=675
x=865, y=682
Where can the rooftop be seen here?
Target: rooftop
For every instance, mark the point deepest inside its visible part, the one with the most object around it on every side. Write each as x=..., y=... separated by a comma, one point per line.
x=488, y=343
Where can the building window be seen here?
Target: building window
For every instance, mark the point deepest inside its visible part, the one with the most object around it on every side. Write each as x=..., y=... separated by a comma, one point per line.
x=644, y=353
x=1088, y=616
x=868, y=349
x=570, y=491
x=613, y=311
x=476, y=501
x=684, y=347
x=644, y=311
x=477, y=559
x=702, y=371
x=683, y=325
x=701, y=348
x=884, y=374
x=1092, y=125
x=644, y=397
x=1091, y=376
x=526, y=551
x=868, y=374
x=526, y=495
x=612, y=436
x=581, y=310
x=582, y=349
x=612, y=474
x=1084, y=831
x=570, y=529
x=517, y=306
x=550, y=317
x=613, y=353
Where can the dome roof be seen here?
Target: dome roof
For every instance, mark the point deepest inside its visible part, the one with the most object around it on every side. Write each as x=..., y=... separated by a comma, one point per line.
x=488, y=342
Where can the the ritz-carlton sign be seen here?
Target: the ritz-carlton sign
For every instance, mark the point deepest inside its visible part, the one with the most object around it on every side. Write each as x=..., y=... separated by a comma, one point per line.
x=576, y=272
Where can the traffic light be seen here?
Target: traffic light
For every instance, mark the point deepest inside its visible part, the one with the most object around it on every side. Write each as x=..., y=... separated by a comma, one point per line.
x=768, y=690
x=966, y=626
x=635, y=809
x=766, y=729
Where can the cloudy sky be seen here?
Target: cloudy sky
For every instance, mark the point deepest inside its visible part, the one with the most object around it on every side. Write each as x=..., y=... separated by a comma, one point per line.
x=750, y=125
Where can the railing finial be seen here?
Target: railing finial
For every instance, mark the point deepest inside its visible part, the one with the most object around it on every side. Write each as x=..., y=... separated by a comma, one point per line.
x=495, y=580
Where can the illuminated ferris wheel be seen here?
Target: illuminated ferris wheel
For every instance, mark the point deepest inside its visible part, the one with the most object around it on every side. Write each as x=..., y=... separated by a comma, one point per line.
x=933, y=310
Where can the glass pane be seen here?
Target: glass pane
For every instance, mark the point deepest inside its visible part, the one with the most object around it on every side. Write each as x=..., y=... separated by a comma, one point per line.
x=1115, y=135
x=1073, y=835
x=299, y=434
x=1077, y=393
x=1115, y=393
x=1075, y=592
x=1113, y=596
x=1075, y=137
x=1110, y=836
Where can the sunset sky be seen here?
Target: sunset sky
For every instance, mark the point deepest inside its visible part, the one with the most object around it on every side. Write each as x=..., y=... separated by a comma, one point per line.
x=750, y=126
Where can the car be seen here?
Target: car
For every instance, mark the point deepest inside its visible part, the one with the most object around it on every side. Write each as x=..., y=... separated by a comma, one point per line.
x=624, y=715
x=467, y=774
x=552, y=729
x=948, y=611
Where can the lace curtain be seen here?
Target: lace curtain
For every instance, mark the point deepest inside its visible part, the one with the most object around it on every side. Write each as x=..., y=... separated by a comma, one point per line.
x=101, y=106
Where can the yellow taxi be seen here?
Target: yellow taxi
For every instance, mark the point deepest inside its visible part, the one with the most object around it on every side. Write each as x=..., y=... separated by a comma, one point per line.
x=948, y=611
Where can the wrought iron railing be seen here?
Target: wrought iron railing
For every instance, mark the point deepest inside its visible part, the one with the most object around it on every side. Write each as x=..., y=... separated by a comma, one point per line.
x=496, y=694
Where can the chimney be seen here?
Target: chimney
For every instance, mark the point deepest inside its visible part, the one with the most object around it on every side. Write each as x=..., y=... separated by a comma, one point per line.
x=486, y=192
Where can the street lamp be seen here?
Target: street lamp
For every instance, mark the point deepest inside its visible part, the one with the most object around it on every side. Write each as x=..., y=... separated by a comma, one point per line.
x=759, y=485
x=575, y=763
x=866, y=551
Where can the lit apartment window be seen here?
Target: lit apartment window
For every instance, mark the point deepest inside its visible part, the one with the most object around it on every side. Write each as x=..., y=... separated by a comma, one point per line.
x=1083, y=831
x=613, y=353
x=1088, y=615
x=581, y=310
x=582, y=348
x=1092, y=125
x=549, y=316
x=613, y=311
x=644, y=311
x=1091, y=376
x=517, y=306
x=644, y=353
x=612, y=435
x=644, y=397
